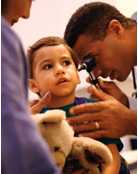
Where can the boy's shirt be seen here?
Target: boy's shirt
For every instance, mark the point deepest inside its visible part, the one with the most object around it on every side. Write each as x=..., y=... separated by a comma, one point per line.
x=82, y=100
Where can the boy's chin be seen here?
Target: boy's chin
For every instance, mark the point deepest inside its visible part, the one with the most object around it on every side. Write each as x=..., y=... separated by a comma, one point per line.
x=63, y=93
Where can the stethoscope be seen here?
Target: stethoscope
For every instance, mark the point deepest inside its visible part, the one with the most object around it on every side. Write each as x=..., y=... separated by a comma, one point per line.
x=134, y=94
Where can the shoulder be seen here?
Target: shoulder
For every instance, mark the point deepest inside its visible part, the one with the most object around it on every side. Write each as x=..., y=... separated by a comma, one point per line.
x=81, y=100
x=8, y=36
x=11, y=46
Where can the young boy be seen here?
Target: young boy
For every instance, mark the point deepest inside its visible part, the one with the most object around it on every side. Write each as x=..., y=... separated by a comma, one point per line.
x=53, y=67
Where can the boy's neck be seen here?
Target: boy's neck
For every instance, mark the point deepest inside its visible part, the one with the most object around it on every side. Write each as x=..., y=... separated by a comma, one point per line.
x=58, y=101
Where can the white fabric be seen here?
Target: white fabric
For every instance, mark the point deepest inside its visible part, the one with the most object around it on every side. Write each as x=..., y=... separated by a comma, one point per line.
x=132, y=103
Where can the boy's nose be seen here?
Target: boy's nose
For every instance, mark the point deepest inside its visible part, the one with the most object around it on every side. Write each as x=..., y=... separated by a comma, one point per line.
x=60, y=69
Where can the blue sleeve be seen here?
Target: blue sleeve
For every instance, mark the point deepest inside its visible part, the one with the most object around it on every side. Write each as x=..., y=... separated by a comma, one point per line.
x=23, y=150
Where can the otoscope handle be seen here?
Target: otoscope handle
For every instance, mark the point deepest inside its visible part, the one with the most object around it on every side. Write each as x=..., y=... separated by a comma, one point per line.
x=93, y=80
x=89, y=64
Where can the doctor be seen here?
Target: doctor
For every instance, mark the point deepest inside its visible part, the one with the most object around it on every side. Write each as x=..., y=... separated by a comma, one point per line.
x=100, y=30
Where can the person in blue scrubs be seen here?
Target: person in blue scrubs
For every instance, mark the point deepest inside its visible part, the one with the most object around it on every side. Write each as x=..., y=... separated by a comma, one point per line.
x=23, y=150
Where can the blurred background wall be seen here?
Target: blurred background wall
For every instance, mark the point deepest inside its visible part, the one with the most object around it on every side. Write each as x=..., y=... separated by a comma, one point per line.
x=49, y=17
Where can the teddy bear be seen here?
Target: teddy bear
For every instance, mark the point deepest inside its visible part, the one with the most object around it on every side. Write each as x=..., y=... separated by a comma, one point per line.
x=67, y=151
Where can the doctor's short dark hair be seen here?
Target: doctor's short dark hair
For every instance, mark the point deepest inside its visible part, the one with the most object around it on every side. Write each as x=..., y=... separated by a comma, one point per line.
x=48, y=41
x=93, y=19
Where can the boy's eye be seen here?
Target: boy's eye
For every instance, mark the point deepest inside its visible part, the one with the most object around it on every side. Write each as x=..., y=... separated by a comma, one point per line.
x=66, y=62
x=47, y=66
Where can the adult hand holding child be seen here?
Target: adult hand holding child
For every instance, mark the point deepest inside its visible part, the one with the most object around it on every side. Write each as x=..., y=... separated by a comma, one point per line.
x=38, y=105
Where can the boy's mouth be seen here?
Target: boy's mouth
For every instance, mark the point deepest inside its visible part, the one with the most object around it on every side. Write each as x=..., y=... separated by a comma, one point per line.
x=62, y=80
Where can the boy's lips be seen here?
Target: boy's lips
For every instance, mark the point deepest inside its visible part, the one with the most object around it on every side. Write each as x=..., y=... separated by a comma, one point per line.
x=62, y=80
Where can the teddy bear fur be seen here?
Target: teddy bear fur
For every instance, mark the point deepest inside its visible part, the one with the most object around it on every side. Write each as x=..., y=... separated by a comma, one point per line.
x=60, y=137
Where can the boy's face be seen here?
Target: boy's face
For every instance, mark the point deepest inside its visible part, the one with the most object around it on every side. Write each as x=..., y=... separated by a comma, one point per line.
x=54, y=71
x=115, y=54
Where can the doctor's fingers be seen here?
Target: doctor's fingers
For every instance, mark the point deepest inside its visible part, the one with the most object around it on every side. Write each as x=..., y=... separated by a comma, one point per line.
x=89, y=107
x=98, y=93
x=85, y=118
x=87, y=127
x=97, y=134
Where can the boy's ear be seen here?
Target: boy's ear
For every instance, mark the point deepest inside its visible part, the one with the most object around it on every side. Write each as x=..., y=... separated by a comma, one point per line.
x=33, y=85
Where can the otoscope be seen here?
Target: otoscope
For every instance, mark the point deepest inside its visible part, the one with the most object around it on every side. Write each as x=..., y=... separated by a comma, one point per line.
x=89, y=64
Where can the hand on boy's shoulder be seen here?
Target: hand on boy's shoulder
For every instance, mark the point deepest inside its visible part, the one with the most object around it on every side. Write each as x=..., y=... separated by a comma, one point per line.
x=38, y=105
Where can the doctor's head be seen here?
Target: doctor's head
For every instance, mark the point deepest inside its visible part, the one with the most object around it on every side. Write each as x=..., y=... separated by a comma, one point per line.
x=100, y=30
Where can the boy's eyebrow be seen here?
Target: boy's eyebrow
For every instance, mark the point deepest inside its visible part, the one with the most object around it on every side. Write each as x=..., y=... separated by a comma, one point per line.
x=64, y=56
x=49, y=60
x=45, y=61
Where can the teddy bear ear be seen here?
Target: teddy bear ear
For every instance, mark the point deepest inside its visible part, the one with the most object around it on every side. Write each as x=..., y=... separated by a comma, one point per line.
x=92, y=154
x=51, y=116
x=55, y=115
x=93, y=157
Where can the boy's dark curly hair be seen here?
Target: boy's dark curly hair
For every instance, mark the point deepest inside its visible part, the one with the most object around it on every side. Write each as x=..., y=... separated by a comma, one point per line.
x=93, y=19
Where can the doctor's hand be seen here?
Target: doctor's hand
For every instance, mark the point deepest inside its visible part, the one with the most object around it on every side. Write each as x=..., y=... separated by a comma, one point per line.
x=105, y=118
x=38, y=105
x=112, y=89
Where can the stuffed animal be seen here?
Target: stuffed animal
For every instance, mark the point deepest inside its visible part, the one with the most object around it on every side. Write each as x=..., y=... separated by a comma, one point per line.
x=93, y=156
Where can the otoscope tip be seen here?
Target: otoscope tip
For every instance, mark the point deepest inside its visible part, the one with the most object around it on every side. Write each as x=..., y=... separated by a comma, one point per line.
x=81, y=67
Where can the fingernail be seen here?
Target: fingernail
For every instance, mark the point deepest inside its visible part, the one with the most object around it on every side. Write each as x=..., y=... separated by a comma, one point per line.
x=101, y=82
x=47, y=94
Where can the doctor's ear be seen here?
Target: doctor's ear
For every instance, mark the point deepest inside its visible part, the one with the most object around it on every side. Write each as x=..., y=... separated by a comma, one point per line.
x=33, y=85
x=115, y=27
